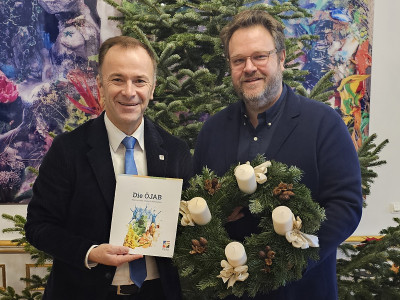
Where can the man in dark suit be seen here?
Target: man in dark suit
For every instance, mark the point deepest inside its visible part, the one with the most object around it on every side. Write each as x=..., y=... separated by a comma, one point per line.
x=70, y=213
x=272, y=120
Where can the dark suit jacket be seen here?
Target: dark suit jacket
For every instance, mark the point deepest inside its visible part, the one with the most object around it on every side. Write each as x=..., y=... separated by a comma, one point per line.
x=313, y=137
x=72, y=206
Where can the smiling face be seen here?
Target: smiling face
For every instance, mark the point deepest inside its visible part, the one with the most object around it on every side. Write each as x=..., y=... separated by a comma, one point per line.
x=126, y=84
x=259, y=86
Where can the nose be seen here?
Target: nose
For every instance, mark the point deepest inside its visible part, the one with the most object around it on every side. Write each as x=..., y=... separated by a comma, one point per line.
x=129, y=89
x=249, y=67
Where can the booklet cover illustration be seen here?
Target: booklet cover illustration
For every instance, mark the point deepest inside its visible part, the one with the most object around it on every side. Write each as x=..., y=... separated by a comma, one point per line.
x=145, y=214
x=143, y=229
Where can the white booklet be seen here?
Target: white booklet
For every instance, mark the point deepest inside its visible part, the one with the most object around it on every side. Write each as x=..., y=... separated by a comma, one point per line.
x=145, y=214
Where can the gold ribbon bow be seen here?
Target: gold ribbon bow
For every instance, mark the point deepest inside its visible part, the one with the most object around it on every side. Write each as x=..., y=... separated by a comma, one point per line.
x=186, y=216
x=231, y=274
x=260, y=171
x=300, y=239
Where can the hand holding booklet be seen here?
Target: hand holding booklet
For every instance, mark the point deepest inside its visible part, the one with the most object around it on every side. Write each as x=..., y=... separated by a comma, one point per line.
x=145, y=214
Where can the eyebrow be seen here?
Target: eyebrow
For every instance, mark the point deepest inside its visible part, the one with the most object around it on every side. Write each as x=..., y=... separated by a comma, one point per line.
x=255, y=53
x=142, y=76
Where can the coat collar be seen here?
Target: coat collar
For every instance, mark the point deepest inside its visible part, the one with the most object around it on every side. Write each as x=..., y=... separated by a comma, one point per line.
x=99, y=158
x=156, y=155
x=286, y=125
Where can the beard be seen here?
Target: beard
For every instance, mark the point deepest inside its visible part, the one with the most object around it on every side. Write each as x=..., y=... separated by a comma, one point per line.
x=264, y=99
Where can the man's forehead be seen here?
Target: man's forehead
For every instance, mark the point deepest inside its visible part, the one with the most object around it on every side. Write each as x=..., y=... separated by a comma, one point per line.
x=250, y=39
x=114, y=54
x=125, y=58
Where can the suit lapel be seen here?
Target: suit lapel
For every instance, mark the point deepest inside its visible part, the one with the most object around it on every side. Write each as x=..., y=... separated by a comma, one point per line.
x=287, y=123
x=99, y=158
x=156, y=155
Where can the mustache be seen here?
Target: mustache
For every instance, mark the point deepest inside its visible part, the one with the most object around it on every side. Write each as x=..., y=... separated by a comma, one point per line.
x=252, y=77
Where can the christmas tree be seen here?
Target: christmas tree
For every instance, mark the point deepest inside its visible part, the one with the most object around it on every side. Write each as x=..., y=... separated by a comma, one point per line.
x=192, y=80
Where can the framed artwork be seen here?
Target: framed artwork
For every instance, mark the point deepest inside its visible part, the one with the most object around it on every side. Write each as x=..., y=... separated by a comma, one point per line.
x=45, y=48
x=41, y=271
x=344, y=45
x=3, y=276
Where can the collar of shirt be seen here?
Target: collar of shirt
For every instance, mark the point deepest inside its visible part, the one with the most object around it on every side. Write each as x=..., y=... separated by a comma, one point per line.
x=253, y=141
x=269, y=116
x=115, y=137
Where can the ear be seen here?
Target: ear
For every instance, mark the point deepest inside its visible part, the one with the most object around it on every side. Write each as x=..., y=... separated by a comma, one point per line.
x=152, y=90
x=99, y=84
x=98, y=80
x=282, y=58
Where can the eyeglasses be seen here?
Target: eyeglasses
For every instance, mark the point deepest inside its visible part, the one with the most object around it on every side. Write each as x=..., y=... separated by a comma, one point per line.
x=259, y=59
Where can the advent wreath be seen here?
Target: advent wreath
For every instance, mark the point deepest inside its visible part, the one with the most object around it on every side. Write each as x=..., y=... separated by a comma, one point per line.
x=273, y=259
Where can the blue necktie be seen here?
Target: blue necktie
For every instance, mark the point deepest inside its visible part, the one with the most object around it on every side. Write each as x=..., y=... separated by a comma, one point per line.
x=137, y=268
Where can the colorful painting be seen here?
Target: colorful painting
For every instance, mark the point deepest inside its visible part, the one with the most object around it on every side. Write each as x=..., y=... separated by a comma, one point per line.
x=344, y=30
x=48, y=52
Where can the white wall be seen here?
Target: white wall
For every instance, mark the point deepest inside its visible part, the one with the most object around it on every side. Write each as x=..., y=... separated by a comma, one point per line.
x=385, y=117
x=12, y=209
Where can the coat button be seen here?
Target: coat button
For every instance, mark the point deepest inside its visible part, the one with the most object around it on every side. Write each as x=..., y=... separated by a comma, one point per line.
x=108, y=275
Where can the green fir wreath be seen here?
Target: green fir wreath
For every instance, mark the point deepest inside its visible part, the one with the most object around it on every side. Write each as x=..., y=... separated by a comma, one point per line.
x=272, y=261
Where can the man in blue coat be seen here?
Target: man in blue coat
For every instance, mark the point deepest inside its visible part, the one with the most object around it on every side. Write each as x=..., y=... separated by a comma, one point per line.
x=70, y=214
x=272, y=120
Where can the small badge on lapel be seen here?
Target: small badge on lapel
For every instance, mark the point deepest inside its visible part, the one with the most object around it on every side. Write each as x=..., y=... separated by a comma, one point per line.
x=161, y=157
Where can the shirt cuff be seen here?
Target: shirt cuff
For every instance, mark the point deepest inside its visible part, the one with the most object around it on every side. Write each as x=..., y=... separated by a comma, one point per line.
x=89, y=264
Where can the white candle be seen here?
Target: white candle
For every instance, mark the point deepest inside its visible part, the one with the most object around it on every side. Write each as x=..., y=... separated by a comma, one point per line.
x=235, y=254
x=199, y=211
x=246, y=178
x=282, y=218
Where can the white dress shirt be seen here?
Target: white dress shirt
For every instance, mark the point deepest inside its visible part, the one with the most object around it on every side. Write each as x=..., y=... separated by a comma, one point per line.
x=115, y=137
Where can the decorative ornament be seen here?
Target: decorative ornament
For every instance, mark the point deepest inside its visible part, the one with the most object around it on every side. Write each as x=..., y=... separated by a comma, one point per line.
x=250, y=266
x=300, y=239
x=186, y=216
x=260, y=172
x=268, y=255
x=284, y=191
x=199, y=246
x=232, y=274
x=212, y=185
x=234, y=269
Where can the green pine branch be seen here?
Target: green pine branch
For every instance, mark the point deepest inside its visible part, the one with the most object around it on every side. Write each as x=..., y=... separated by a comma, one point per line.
x=368, y=155
x=370, y=269
x=39, y=257
x=10, y=294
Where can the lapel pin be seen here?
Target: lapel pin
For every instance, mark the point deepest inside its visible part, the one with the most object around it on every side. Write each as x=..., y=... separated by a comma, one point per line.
x=161, y=157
